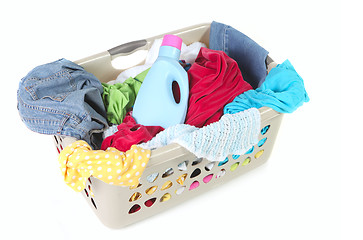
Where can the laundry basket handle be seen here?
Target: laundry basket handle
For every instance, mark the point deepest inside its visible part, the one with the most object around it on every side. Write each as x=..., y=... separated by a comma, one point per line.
x=270, y=63
x=127, y=47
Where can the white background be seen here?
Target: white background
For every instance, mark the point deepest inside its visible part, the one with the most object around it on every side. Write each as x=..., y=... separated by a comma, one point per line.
x=311, y=187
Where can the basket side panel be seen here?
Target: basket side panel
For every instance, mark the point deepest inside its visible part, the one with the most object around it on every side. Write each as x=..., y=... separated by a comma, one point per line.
x=121, y=206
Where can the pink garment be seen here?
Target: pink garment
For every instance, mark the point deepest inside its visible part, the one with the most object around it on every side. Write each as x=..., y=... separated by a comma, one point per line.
x=130, y=133
x=214, y=81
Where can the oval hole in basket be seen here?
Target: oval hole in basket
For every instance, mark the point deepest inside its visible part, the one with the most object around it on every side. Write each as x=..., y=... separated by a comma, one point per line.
x=235, y=156
x=223, y=162
x=183, y=166
x=265, y=129
x=259, y=154
x=150, y=202
x=93, y=202
x=151, y=190
x=135, y=196
x=207, y=178
x=135, y=186
x=180, y=190
x=134, y=208
x=246, y=161
x=221, y=173
x=131, y=60
x=234, y=166
x=261, y=142
x=167, y=185
x=195, y=173
x=167, y=172
x=181, y=179
x=197, y=161
x=209, y=166
x=165, y=197
x=152, y=177
x=194, y=185
x=250, y=150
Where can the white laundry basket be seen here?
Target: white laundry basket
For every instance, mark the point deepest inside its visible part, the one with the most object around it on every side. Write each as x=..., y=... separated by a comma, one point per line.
x=178, y=174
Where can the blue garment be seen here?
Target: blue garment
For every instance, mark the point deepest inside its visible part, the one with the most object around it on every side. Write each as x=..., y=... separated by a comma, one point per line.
x=283, y=91
x=61, y=98
x=232, y=134
x=250, y=56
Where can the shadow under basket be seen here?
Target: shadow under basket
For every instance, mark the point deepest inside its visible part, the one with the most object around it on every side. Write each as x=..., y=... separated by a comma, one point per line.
x=173, y=174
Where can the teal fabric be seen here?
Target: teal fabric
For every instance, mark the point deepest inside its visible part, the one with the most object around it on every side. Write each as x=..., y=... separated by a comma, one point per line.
x=283, y=90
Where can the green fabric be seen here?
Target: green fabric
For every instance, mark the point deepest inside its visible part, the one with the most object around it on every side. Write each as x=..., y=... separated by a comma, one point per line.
x=120, y=97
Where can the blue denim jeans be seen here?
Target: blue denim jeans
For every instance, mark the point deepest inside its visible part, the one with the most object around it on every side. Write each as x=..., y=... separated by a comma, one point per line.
x=61, y=98
x=248, y=54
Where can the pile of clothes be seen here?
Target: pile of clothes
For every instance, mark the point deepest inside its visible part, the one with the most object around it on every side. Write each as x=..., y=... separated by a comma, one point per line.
x=228, y=83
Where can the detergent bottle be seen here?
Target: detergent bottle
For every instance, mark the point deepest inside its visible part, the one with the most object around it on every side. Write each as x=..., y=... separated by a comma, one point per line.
x=156, y=104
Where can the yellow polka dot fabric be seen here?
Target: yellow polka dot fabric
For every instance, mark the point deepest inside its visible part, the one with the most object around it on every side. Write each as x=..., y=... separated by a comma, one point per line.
x=78, y=162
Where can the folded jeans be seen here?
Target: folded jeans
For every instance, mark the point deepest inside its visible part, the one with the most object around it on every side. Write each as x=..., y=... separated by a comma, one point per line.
x=61, y=98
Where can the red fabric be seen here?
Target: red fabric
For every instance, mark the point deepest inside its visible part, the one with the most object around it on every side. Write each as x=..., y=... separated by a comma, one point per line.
x=130, y=133
x=214, y=81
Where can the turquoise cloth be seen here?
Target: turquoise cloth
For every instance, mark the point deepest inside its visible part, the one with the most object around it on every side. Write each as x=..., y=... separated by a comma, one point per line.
x=283, y=90
x=232, y=134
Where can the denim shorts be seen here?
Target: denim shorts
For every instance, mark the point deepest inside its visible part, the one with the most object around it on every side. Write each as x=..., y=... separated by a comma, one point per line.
x=250, y=57
x=61, y=98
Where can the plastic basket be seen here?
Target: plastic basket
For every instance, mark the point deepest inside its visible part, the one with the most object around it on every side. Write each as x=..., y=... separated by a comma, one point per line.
x=118, y=206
